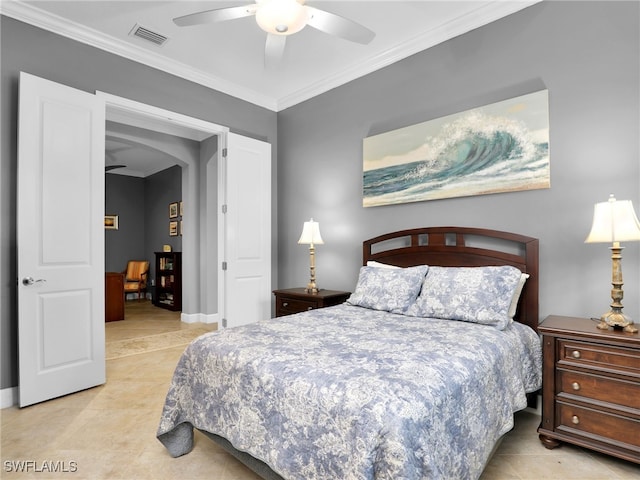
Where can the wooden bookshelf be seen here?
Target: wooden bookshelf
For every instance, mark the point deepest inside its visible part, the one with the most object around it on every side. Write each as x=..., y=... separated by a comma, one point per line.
x=168, y=286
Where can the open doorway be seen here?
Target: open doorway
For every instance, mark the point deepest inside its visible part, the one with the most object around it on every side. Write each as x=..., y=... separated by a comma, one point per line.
x=202, y=240
x=143, y=196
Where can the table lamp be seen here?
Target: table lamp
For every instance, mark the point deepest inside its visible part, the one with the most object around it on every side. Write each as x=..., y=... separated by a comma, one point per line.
x=311, y=236
x=615, y=221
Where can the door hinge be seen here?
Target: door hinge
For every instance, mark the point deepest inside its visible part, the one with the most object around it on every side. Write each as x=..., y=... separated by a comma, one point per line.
x=224, y=208
x=224, y=152
x=224, y=265
x=224, y=323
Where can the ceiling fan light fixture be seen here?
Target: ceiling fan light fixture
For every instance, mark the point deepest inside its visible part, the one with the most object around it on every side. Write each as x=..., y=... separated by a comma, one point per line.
x=281, y=17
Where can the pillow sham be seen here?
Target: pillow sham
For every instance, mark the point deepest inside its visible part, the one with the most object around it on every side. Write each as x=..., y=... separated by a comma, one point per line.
x=373, y=263
x=516, y=295
x=389, y=289
x=471, y=294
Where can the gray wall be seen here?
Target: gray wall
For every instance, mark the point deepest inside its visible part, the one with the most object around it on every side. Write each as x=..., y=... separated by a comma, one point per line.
x=47, y=55
x=142, y=206
x=585, y=53
x=160, y=190
x=124, y=197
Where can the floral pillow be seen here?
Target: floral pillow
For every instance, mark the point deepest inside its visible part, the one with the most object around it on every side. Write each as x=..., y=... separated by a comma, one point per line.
x=471, y=294
x=389, y=289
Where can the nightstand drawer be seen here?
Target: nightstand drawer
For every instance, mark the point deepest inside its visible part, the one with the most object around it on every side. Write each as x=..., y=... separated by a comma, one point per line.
x=599, y=388
x=590, y=387
x=599, y=425
x=599, y=355
x=297, y=300
x=288, y=305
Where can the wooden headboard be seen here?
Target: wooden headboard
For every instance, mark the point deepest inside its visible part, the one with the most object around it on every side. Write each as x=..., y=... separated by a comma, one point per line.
x=463, y=247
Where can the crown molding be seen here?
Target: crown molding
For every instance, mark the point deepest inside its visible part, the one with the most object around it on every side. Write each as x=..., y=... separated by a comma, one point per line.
x=484, y=14
x=61, y=26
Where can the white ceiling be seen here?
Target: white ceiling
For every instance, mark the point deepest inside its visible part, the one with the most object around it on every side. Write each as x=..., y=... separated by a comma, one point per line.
x=229, y=56
x=137, y=159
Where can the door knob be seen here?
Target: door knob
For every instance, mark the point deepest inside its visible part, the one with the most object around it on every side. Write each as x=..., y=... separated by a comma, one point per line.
x=26, y=281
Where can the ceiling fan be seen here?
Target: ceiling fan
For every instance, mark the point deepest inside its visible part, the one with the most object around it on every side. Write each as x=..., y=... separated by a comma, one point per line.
x=280, y=18
x=112, y=163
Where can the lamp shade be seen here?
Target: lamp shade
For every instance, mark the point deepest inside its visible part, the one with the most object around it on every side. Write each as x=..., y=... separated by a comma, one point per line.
x=311, y=234
x=614, y=221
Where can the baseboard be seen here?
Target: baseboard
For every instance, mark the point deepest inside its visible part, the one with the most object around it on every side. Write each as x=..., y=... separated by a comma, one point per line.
x=8, y=397
x=199, y=317
x=210, y=317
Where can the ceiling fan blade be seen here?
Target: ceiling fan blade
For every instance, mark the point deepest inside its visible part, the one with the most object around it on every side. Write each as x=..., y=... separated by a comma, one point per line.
x=274, y=50
x=113, y=167
x=215, y=15
x=336, y=25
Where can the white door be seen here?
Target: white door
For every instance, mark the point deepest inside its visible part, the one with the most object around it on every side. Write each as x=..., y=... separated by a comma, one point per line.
x=61, y=133
x=248, y=231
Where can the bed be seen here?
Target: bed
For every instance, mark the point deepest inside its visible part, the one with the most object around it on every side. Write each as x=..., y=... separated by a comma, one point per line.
x=416, y=376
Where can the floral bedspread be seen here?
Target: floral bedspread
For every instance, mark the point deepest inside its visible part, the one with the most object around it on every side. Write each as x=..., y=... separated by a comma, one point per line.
x=351, y=393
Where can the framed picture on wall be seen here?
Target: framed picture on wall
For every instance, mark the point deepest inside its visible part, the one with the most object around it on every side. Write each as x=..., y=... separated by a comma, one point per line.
x=499, y=147
x=173, y=229
x=111, y=222
x=181, y=210
x=173, y=210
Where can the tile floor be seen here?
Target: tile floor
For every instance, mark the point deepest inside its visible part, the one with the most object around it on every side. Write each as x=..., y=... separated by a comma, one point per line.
x=108, y=432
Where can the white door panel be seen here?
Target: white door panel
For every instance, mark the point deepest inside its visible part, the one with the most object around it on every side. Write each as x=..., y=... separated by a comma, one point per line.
x=61, y=134
x=248, y=228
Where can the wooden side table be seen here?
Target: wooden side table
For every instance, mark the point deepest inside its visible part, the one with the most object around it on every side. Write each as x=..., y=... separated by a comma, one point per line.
x=590, y=387
x=113, y=296
x=296, y=300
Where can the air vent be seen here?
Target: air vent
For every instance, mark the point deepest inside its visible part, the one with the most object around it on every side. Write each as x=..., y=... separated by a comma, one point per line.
x=148, y=35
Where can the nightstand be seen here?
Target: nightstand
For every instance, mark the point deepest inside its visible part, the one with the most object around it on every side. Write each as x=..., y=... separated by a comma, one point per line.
x=296, y=300
x=590, y=387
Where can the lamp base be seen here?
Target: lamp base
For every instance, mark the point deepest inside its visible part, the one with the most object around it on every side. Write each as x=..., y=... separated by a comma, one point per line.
x=617, y=320
x=312, y=288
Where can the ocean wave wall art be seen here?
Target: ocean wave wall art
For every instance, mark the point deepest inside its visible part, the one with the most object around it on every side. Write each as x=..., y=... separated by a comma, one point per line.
x=501, y=147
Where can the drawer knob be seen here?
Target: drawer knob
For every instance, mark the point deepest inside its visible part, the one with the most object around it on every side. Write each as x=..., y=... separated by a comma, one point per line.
x=575, y=386
x=309, y=308
x=576, y=354
x=575, y=420
x=285, y=304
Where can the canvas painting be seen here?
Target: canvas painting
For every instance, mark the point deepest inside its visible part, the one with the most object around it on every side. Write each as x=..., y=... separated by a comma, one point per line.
x=501, y=147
